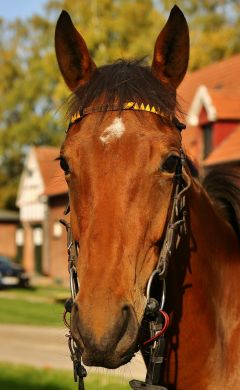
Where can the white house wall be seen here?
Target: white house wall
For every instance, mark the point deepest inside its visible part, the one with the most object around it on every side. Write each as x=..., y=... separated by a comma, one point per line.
x=32, y=207
x=33, y=212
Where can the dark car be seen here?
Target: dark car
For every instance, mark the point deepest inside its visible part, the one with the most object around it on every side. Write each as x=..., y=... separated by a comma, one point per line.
x=12, y=274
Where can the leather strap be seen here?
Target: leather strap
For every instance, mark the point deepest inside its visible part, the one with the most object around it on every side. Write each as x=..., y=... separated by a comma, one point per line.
x=77, y=116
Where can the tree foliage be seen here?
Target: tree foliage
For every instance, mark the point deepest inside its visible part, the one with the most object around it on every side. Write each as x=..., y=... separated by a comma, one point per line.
x=214, y=29
x=32, y=90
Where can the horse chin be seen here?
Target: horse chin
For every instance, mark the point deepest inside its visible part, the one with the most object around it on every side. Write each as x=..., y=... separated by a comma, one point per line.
x=110, y=361
x=105, y=358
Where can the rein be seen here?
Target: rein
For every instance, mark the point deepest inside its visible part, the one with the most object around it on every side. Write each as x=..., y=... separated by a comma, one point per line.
x=79, y=371
x=154, y=314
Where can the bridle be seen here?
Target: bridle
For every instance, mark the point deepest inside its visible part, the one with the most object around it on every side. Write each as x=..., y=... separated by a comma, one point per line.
x=157, y=318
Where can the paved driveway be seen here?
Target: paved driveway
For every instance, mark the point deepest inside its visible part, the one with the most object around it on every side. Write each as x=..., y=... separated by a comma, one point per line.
x=47, y=347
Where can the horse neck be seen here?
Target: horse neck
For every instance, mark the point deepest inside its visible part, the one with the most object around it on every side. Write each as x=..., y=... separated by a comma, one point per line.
x=214, y=244
x=211, y=305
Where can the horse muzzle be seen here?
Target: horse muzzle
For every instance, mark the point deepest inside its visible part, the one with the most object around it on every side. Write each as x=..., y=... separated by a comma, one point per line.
x=105, y=339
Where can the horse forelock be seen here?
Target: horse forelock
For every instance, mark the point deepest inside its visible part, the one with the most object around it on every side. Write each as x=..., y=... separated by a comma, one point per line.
x=125, y=81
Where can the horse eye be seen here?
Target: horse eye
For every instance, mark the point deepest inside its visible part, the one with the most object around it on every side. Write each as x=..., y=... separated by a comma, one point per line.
x=64, y=165
x=170, y=164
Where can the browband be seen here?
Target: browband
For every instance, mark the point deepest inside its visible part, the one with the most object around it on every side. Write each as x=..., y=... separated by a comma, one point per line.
x=126, y=106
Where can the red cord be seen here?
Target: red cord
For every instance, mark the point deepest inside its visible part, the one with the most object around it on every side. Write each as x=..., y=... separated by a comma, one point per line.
x=162, y=331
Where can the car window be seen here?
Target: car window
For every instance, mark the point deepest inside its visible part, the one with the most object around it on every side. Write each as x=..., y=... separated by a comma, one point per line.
x=4, y=262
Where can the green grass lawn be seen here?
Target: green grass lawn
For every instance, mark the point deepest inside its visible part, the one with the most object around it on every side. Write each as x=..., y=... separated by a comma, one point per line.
x=18, y=377
x=33, y=306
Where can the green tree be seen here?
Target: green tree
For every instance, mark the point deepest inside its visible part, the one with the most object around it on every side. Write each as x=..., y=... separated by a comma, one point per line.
x=31, y=83
x=214, y=29
x=28, y=81
x=113, y=29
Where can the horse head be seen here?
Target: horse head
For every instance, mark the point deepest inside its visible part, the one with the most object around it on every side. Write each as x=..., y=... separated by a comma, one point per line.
x=119, y=157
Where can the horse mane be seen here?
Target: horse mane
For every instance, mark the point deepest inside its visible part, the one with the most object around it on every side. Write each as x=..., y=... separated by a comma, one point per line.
x=125, y=81
x=223, y=185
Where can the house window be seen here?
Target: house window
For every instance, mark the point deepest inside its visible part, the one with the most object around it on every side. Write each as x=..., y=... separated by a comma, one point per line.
x=207, y=139
x=37, y=236
x=57, y=229
x=19, y=237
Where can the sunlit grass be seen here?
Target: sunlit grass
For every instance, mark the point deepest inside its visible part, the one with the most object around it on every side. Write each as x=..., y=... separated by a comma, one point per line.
x=18, y=311
x=49, y=293
x=33, y=306
x=19, y=377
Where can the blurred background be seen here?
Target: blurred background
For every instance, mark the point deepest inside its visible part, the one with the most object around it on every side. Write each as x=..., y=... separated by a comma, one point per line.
x=33, y=194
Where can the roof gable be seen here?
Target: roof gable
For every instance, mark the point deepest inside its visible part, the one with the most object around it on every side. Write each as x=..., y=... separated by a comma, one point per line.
x=53, y=177
x=219, y=104
x=201, y=99
x=31, y=183
x=41, y=175
x=219, y=76
x=215, y=87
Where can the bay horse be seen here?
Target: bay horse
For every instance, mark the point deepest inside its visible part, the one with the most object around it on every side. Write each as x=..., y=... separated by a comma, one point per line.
x=123, y=162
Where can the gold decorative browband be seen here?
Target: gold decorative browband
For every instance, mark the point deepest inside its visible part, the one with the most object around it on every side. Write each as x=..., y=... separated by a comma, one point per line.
x=126, y=106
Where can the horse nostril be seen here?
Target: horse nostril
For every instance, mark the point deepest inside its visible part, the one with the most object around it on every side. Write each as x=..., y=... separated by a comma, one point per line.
x=126, y=320
x=126, y=311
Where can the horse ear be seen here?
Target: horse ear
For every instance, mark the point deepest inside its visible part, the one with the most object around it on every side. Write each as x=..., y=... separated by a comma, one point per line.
x=171, y=52
x=72, y=53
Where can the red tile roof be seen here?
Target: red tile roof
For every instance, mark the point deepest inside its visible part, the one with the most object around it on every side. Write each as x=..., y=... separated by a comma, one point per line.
x=226, y=101
x=228, y=150
x=52, y=174
x=219, y=76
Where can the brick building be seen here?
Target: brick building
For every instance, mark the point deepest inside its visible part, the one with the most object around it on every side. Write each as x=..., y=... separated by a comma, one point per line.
x=11, y=239
x=42, y=197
